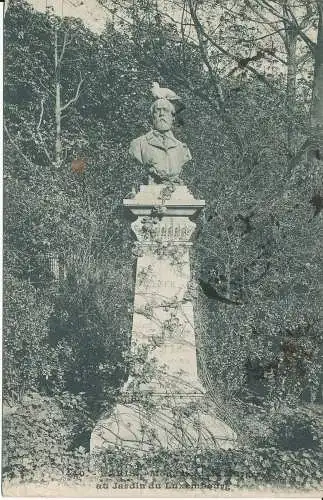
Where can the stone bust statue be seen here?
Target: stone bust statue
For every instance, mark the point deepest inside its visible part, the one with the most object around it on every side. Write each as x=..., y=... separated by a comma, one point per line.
x=158, y=150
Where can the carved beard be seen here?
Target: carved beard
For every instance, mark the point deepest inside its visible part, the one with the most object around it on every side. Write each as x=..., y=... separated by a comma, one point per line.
x=163, y=124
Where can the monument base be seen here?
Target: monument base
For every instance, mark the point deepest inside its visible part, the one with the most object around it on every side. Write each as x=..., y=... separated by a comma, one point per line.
x=167, y=422
x=163, y=404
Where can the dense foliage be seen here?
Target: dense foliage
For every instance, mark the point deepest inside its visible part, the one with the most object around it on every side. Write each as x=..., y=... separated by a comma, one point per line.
x=224, y=470
x=68, y=247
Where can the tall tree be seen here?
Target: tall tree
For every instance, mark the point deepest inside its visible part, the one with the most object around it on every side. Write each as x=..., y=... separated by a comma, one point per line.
x=317, y=96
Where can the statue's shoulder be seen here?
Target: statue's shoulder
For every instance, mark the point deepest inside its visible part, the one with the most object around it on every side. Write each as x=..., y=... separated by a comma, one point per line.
x=138, y=146
x=184, y=145
x=186, y=151
x=135, y=142
x=180, y=143
x=142, y=138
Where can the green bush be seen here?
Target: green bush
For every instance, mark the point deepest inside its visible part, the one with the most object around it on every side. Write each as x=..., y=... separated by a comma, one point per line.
x=245, y=467
x=26, y=357
x=38, y=439
x=294, y=429
x=89, y=330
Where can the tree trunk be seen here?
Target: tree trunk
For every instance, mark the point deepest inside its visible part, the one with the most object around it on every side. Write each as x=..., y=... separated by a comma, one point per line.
x=291, y=45
x=5, y=7
x=58, y=143
x=317, y=93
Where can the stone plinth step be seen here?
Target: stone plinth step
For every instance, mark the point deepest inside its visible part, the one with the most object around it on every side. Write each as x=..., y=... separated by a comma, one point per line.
x=170, y=423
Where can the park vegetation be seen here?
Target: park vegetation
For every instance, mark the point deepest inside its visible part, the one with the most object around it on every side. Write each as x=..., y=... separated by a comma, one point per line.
x=251, y=77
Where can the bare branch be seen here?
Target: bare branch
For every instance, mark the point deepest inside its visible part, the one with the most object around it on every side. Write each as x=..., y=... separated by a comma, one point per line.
x=303, y=59
x=63, y=48
x=41, y=113
x=75, y=98
x=299, y=154
x=196, y=91
x=71, y=39
x=183, y=32
x=301, y=25
x=44, y=148
x=260, y=19
x=46, y=88
x=5, y=7
x=199, y=32
x=38, y=129
x=292, y=23
x=56, y=49
x=17, y=147
x=278, y=30
x=227, y=53
x=123, y=19
x=275, y=56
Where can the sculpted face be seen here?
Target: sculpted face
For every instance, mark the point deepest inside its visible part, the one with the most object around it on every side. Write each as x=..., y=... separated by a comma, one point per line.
x=163, y=115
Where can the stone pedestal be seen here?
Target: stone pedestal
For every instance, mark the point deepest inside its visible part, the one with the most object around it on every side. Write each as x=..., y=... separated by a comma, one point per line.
x=163, y=403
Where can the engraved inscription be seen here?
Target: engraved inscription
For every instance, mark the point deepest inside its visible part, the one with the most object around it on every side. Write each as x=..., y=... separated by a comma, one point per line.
x=153, y=283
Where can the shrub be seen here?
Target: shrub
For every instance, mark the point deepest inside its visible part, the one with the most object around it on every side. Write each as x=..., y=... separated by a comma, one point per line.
x=25, y=354
x=294, y=429
x=245, y=467
x=38, y=439
x=90, y=321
